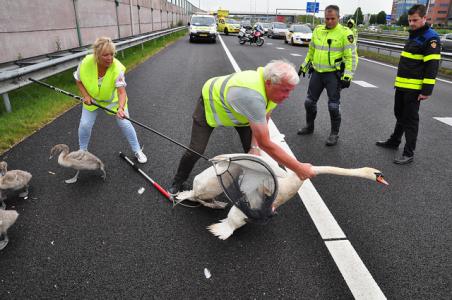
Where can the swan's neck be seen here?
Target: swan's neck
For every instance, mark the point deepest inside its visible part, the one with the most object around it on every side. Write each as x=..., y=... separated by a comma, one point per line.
x=63, y=154
x=338, y=171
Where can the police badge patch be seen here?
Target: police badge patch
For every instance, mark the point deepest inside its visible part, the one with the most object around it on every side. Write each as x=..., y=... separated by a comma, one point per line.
x=350, y=38
x=433, y=44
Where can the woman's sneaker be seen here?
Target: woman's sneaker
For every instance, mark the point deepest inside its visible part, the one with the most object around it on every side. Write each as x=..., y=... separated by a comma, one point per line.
x=142, y=159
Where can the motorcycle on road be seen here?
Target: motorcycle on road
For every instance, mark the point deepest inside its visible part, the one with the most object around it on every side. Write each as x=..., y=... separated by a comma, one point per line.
x=251, y=37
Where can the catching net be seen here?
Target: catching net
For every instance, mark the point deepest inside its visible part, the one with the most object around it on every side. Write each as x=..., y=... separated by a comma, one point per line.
x=249, y=183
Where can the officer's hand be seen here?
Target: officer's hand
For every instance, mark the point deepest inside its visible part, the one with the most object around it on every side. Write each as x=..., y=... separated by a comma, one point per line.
x=345, y=82
x=301, y=71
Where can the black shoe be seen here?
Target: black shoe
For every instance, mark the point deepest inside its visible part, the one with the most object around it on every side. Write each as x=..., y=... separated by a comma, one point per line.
x=332, y=140
x=387, y=144
x=305, y=130
x=175, y=187
x=404, y=160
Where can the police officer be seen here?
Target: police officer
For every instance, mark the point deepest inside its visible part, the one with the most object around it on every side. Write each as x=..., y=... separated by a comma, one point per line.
x=351, y=25
x=332, y=59
x=418, y=66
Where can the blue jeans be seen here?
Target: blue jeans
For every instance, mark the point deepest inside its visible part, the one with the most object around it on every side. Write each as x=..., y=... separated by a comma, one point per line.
x=86, y=124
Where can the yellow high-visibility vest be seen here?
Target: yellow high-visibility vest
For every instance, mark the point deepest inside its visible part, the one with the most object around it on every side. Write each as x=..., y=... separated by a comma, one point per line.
x=106, y=94
x=214, y=92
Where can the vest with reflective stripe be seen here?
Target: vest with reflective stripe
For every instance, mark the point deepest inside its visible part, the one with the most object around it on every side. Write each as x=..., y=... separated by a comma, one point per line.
x=214, y=92
x=329, y=48
x=106, y=95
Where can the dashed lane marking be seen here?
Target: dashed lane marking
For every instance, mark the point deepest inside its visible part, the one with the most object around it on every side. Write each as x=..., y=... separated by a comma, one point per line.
x=358, y=278
x=364, y=84
x=295, y=54
x=280, y=48
x=447, y=121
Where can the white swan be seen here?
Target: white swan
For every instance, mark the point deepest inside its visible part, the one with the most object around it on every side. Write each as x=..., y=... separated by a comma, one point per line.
x=14, y=180
x=7, y=219
x=78, y=160
x=206, y=187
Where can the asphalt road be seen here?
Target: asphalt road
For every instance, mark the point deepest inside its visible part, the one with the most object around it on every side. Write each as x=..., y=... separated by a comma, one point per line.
x=97, y=239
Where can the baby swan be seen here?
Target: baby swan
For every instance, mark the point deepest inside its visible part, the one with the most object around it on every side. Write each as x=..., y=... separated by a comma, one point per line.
x=14, y=180
x=7, y=219
x=78, y=160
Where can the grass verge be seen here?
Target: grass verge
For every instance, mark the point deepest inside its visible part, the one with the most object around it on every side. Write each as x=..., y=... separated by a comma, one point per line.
x=34, y=106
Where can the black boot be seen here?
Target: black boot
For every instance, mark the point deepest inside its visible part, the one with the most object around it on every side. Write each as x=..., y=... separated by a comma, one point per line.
x=176, y=187
x=310, y=117
x=335, y=117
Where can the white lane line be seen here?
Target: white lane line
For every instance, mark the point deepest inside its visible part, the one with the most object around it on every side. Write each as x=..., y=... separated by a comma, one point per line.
x=448, y=121
x=280, y=48
x=231, y=58
x=364, y=84
x=355, y=273
x=295, y=54
x=269, y=43
x=389, y=66
x=346, y=258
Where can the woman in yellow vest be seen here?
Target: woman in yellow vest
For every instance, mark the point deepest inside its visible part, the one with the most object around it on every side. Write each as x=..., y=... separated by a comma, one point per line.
x=100, y=76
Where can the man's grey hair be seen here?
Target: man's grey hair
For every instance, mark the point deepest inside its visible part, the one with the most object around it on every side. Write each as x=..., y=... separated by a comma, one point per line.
x=281, y=71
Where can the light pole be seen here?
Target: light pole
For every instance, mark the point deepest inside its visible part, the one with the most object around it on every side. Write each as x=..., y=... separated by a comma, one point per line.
x=313, y=13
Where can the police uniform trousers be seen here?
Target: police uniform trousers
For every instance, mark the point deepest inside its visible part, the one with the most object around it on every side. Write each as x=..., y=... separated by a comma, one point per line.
x=406, y=111
x=319, y=82
x=200, y=134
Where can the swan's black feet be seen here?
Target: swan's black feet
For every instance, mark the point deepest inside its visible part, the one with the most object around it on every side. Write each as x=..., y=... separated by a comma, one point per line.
x=404, y=160
x=332, y=140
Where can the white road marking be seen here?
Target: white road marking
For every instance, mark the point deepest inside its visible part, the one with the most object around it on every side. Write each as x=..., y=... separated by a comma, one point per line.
x=280, y=48
x=448, y=121
x=355, y=273
x=295, y=54
x=389, y=66
x=364, y=84
x=359, y=280
x=269, y=43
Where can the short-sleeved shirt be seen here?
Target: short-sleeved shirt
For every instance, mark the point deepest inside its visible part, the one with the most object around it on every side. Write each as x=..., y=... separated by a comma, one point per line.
x=119, y=82
x=249, y=103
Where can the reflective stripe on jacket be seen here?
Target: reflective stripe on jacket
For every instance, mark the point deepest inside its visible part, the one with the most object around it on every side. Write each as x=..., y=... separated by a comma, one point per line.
x=214, y=92
x=419, y=61
x=329, y=48
x=106, y=95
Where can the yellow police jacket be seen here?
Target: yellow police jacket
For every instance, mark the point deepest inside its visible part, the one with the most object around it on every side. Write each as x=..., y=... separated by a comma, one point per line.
x=329, y=48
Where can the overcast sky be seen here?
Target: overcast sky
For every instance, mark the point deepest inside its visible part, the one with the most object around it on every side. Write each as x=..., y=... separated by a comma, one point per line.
x=346, y=6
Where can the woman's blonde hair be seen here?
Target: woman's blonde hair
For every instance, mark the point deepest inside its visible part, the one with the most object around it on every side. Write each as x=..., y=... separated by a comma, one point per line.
x=101, y=45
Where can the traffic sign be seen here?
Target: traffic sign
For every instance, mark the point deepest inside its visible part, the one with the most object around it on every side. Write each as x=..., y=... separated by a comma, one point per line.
x=388, y=17
x=312, y=7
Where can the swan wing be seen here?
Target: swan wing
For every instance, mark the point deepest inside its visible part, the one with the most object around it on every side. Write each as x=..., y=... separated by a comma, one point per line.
x=15, y=179
x=82, y=160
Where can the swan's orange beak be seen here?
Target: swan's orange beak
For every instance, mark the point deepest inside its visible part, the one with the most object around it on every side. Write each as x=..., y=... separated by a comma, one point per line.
x=380, y=179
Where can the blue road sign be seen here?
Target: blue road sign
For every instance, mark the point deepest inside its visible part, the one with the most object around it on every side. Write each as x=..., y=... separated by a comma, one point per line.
x=312, y=7
x=388, y=17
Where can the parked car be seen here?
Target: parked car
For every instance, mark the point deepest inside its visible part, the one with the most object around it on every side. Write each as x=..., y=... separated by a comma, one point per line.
x=202, y=27
x=277, y=30
x=298, y=34
x=246, y=23
x=446, y=42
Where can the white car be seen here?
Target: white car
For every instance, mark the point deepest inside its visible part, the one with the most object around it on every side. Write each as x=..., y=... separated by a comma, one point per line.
x=202, y=27
x=298, y=34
